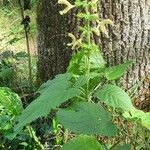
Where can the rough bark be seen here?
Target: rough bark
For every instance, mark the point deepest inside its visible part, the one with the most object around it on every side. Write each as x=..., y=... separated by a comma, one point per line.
x=129, y=39
x=53, y=54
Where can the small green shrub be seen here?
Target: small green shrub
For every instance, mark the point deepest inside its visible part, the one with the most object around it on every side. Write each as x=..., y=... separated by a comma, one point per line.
x=10, y=108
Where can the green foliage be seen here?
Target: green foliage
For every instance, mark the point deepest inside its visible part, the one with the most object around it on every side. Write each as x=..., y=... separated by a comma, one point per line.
x=53, y=93
x=139, y=116
x=123, y=147
x=5, y=120
x=83, y=142
x=60, y=81
x=87, y=118
x=6, y=73
x=6, y=68
x=114, y=96
x=10, y=101
x=116, y=72
x=81, y=81
x=78, y=62
x=10, y=108
x=13, y=68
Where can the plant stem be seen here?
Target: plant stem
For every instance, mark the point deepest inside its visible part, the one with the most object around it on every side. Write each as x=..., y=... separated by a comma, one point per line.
x=35, y=138
x=88, y=56
x=95, y=89
x=28, y=45
x=66, y=136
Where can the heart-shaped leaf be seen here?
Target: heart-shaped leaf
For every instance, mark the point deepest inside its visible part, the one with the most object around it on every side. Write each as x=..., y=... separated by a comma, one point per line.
x=87, y=118
x=82, y=142
x=114, y=96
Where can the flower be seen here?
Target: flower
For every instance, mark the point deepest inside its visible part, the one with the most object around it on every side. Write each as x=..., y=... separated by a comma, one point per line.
x=96, y=30
x=94, y=5
x=75, y=42
x=102, y=27
x=94, y=1
x=68, y=6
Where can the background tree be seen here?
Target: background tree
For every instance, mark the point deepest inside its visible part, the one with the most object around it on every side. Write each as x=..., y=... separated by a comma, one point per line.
x=129, y=39
x=53, y=54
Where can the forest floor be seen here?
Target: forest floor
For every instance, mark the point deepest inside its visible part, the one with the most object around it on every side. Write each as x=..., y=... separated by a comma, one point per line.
x=12, y=36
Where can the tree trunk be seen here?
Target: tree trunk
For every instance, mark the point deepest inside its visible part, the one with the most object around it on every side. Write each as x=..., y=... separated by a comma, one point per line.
x=129, y=39
x=53, y=29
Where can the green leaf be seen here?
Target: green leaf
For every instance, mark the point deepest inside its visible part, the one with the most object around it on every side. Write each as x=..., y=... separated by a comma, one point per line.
x=52, y=95
x=87, y=118
x=6, y=72
x=10, y=101
x=123, y=147
x=60, y=80
x=88, y=16
x=114, y=96
x=115, y=72
x=97, y=61
x=81, y=81
x=5, y=123
x=143, y=117
x=77, y=63
x=82, y=142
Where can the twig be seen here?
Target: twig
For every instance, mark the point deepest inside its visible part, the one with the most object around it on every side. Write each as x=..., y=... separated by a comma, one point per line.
x=27, y=43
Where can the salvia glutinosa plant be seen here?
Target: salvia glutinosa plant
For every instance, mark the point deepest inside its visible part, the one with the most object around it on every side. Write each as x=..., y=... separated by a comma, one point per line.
x=85, y=98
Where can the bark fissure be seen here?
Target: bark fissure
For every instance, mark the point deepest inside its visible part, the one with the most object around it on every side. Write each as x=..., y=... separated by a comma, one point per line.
x=53, y=53
x=129, y=39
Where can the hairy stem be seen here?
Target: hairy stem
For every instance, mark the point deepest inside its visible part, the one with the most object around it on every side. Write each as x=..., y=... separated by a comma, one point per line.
x=88, y=56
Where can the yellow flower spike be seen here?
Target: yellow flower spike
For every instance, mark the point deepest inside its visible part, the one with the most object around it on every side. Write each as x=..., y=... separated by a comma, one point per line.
x=73, y=39
x=94, y=6
x=94, y=1
x=75, y=42
x=103, y=28
x=94, y=9
x=102, y=25
x=68, y=6
x=96, y=30
x=107, y=22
